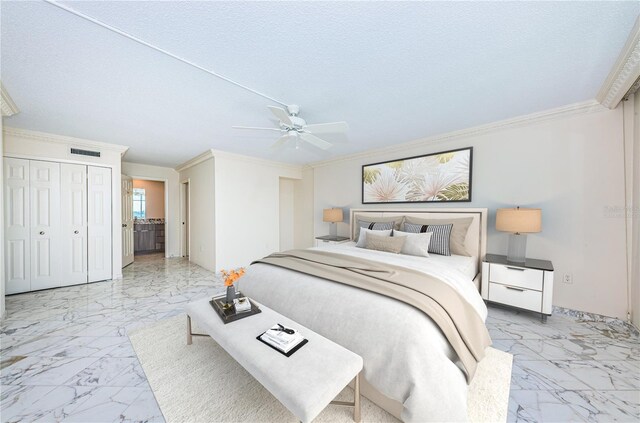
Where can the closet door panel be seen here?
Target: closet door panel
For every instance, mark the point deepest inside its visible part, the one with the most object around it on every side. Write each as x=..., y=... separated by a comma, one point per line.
x=99, y=223
x=45, y=224
x=16, y=226
x=73, y=196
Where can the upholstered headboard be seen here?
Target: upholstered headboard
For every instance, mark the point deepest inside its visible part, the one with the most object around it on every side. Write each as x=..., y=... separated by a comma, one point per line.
x=475, y=242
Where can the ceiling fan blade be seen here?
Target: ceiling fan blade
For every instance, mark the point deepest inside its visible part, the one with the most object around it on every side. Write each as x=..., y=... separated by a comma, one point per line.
x=313, y=140
x=258, y=128
x=327, y=128
x=280, y=142
x=281, y=114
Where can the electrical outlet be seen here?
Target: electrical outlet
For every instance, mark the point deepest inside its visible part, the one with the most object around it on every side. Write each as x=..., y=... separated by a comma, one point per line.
x=568, y=278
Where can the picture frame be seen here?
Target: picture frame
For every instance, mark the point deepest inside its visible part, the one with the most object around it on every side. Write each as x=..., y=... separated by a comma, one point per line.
x=442, y=177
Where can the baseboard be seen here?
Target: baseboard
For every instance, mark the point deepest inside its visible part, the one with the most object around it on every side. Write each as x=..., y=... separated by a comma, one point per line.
x=593, y=317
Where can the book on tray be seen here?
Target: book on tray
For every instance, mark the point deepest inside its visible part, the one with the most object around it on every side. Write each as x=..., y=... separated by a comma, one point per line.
x=282, y=338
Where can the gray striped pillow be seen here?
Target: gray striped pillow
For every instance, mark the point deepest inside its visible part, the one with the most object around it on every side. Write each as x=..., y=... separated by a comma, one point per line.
x=440, y=240
x=376, y=226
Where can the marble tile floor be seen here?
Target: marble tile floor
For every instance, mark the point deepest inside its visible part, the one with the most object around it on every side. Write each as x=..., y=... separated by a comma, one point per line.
x=65, y=356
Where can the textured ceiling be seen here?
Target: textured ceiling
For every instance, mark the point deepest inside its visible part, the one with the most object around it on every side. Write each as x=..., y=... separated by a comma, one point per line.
x=394, y=71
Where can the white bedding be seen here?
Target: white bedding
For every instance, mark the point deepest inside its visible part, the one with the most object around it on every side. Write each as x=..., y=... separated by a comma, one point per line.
x=406, y=356
x=441, y=266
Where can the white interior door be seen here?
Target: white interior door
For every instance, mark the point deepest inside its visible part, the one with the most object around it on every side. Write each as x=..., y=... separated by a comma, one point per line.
x=44, y=187
x=127, y=220
x=99, y=223
x=16, y=226
x=73, y=208
x=184, y=213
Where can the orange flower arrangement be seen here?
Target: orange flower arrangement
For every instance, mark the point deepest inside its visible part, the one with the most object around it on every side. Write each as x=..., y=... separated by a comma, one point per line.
x=230, y=276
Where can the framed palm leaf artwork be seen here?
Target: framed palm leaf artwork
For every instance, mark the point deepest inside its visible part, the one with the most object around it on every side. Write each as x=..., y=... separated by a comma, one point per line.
x=432, y=178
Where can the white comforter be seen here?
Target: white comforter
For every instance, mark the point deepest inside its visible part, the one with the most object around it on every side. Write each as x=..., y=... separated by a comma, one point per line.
x=406, y=357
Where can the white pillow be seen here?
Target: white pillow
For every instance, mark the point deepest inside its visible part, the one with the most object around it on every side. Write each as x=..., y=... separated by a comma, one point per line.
x=415, y=244
x=363, y=235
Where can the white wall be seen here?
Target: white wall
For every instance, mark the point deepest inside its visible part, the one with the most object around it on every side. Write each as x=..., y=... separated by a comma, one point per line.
x=171, y=179
x=202, y=216
x=1, y=223
x=43, y=146
x=247, y=193
x=571, y=167
x=635, y=216
x=287, y=213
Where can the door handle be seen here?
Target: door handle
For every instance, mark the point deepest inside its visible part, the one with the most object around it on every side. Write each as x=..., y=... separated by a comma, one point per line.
x=515, y=268
x=41, y=232
x=124, y=225
x=76, y=232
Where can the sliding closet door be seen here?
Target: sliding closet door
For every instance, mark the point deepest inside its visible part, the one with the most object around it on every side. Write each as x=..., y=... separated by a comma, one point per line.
x=73, y=199
x=99, y=223
x=45, y=224
x=16, y=226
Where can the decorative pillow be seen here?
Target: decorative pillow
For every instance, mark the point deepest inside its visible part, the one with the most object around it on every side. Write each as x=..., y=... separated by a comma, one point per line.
x=384, y=243
x=458, y=234
x=415, y=244
x=363, y=235
x=440, y=240
x=379, y=222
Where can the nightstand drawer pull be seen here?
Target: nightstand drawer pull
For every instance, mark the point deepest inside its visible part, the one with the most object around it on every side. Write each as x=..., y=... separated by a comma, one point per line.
x=514, y=289
x=517, y=297
x=516, y=276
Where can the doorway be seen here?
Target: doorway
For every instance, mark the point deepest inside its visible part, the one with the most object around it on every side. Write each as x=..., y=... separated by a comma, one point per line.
x=149, y=217
x=185, y=194
x=287, y=215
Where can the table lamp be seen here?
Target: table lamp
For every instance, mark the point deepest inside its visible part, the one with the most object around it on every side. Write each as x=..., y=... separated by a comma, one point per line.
x=519, y=222
x=333, y=215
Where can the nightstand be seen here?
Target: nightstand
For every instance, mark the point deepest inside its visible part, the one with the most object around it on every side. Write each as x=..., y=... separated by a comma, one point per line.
x=330, y=239
x=527, y=285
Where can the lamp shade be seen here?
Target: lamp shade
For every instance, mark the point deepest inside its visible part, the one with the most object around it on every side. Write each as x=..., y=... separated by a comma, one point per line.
x=332, y=215
x=519, y=220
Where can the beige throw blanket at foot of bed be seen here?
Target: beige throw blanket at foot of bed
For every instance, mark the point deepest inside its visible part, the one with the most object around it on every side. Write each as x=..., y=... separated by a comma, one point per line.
x=456, y=318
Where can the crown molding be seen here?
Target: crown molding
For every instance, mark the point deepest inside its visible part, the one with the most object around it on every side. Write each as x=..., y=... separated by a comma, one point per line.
x=551, y=114
x=7, y=105
x=61, y=139
x=624, y=73
x=194, y=161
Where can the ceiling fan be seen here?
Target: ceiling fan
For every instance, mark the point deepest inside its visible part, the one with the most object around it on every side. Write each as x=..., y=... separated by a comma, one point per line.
x=294, y=128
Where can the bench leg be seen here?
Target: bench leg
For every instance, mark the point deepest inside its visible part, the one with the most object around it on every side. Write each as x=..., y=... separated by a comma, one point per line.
x=189, y=337
x=356, y=400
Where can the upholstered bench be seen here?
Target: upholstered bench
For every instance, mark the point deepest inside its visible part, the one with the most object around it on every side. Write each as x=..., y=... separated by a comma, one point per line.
x=306, y=382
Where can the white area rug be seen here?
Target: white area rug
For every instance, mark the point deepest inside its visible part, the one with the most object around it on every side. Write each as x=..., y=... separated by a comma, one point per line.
x=202, y=383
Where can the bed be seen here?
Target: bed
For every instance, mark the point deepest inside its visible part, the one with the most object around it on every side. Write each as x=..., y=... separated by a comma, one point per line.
x=410, y=369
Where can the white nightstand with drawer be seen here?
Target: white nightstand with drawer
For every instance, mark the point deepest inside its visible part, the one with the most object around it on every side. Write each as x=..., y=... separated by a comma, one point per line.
x=528, y=285
x=330, y=239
